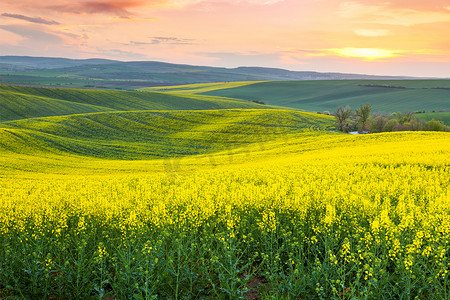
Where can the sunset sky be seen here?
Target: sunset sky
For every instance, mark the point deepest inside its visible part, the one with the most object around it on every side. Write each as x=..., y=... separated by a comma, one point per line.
x=398, y=37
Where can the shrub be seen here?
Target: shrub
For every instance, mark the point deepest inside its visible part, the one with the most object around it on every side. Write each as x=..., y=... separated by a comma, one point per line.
x=417, y=124
x=434, y=125
x=377, y=123
x=390, y=125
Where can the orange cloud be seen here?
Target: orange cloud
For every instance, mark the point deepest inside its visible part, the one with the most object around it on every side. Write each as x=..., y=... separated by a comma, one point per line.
x=389, y=14
x=418, y=5
x=183, y=3
x=371, y=32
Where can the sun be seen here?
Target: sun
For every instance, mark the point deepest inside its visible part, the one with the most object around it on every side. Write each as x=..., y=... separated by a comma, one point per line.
x=366, y=53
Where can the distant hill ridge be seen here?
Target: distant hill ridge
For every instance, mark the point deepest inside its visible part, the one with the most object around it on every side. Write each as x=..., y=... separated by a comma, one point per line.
x=132, y=74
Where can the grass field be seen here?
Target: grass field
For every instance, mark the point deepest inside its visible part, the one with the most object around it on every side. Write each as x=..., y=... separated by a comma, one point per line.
x=152, y=134
x=199, y=88
x=18, y=102
x=441, y=116
x=127, y=76
x=384, y=95
x=143, y=197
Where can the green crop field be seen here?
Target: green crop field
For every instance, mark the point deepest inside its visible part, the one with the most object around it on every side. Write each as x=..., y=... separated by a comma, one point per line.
x=153, y=134
x=439, y=116
x=199, y=88
x=17, y=102
x=384, y=95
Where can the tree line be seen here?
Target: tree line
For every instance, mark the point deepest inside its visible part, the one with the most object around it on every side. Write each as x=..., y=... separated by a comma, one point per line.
x=364, y=122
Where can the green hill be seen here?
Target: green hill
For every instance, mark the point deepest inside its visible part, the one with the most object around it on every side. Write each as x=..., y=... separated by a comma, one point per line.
x=384, y=95
x=17, y=105
x=152, y=134
x=444, y=117
x=28, y=102
x=199, y=88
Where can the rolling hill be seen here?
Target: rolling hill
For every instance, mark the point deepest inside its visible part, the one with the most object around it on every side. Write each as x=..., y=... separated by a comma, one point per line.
x=136, y=124
x=384, y=95
x=17, y=102
x=153, y=134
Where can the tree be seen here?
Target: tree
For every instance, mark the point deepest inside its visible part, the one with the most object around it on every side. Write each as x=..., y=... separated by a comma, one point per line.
x=363, y=114
x=405, y=118
x=377, y=123
x=416, y=124
x=390, y=125
x=342, y=115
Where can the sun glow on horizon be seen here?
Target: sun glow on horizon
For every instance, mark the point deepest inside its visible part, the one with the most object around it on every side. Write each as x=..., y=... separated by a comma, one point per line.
x=366, y=53
x=371, y=32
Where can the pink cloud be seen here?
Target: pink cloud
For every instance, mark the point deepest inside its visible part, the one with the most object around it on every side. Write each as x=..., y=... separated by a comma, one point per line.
x=111, y=7
x=37, y=20
x=117, y=8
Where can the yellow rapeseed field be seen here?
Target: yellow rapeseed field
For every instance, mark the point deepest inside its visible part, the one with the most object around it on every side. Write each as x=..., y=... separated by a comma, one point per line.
x=316, y=216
